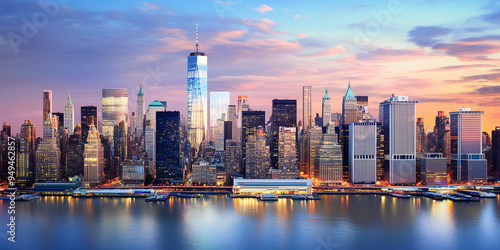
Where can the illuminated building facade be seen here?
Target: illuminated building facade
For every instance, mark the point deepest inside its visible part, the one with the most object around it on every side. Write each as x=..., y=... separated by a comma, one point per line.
x=25, y=165
x=284, y=115
x=114, y=110
x=233, y=157
x=433, y=169
x=89, y=115
x=169, y=165
x=306, y=107
x=349, y=110
x=47, y=105
x=93, y=159
x=140, y=112
x=287, y=149
x=48, y=155
x=257, y=160
x=328, y=161
x=326, y=109
x=363, y=152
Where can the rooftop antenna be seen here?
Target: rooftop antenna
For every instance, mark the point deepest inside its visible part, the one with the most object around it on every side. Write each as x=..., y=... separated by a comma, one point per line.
x=196, y=35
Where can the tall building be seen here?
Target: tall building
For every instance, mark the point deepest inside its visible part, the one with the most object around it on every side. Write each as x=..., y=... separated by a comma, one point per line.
x=231, y=116
x=467, y=159
x=197, y=96
x=433, y=169
x=362, y=108
x=140, y=112
x=398, y=118
x=48, y=155
x=74, y=155
x=363, y=152
x=150, y=133
x=442, y=136
x=284, y=115
x=219, y=102
x=69, y=116
x=169, y=165
x=251, y=120
x=315, y=137
x=219, y=136
x=328, y=161
x=326, y=109
x=233, y=157
x=306, y=106
x=47, y=105
x=89, y=115
x=495, y=150
x=114, y=110
x=349, y=110
x=242, y=106
x=421, y=137
x=205, y=173
x=155, y=106
x=287, y=149
x=257, y=159
x=228, y=131
x=25, y=162
x=93, y=158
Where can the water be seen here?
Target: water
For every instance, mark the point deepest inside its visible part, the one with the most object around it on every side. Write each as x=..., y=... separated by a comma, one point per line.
x=220, y=222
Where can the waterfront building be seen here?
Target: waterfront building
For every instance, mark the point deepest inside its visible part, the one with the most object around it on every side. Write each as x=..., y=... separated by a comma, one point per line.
x=93, y=166
x=205, y=173
x=307, y=107
x=48, y=155
x=287, y=149
x=133, y=173
x=169, y=165
x=88, y=115
x=197, y=124
x=328, y=161
x=433, y=169
x=398, y=118
x=363, y=152
x=495, y=151
x=233, y=157
x=25, y=162
x=140, y=112
x=284, y=114
x=114, y=110
x=251, y=120
x=257, y=160
x=253, y=187
x=468, y=163
x=326, y=109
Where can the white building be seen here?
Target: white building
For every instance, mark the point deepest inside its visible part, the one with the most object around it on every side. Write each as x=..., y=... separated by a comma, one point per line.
x=363, y=152
x=93, y=163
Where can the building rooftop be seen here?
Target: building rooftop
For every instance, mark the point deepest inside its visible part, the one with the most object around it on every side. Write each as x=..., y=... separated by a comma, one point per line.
x=348, y=93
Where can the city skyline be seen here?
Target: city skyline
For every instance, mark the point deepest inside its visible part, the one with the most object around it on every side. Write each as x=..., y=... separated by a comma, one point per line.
x=261, y=50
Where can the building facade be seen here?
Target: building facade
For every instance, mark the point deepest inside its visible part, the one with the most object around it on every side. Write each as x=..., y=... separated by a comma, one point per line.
x=169, y=165
x=284, y=114
x=433, y=169
x=363, y=152
x=326, y=109
x=69, y=116
x=93, y=158
x=307, y=106
x=114, y=110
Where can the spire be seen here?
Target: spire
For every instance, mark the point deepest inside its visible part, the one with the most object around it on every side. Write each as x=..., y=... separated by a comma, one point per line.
x=68, y=102
x=326, y=95
x=348, y=93
x=196, y=35
x=140, y=90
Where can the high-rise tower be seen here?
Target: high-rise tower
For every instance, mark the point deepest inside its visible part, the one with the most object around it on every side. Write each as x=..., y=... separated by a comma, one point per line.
x=327, y=109
x=140, y=110
x=306, y=107
x=284, y=115
x=69, y=116
x=114, y=110
x=47, y=105
x=349, y=110
x=197, y=124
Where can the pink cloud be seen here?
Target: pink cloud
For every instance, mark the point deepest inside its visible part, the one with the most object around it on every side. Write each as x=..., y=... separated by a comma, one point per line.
x=332, y=51
x=263, y=8
x=149, y=6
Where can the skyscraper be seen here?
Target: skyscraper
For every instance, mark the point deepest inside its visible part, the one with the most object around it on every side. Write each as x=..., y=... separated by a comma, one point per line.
x=169, y=167
x=251, y=120
x=150, y=134
x=421, y=138
x=495, y=150
x=349, y=110
x=231, y=116
x=47, y=105
x=257, y=159
x=328, y=160
x=232, y=159
x=433, y=169
x=114, y=110
x=69, y=116
x=93, y=157
x=306, y=107
x=398, y=118
x=362, y=108
x=315, y=137
x=197, y=96
x=89, y=115
x=326, y=109
x=284, y=115
x=467, y=159
x=140, y=110
x=48, y=155
x=442, y=136
x=25, y=168
x=219, y=102
x=363, y=152
x=287, y=149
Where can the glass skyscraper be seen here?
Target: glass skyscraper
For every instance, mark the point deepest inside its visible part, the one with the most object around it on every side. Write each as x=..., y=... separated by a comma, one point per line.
x=468, y=163
x=197, y=124
x=284, y=115
x=89, y=115
x=47, y=105
x=169, y=167
x=306, y=107
x=219, y=102
x=398, y=118
x=114, y=110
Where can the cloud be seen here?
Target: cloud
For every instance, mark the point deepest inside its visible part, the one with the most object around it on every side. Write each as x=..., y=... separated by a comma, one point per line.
x=332, y=51
x=495, y=77
x=460, y=67
x=493, y=17
x=228, y=3
x=388, y=54
x=149, y=6
x=427, y=35
x=465, y=52
x=263, y=8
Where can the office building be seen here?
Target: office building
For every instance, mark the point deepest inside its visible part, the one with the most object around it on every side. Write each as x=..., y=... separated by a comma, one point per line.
x=114, y=110
x=284, y=114
x=257, y=160
x=25, y=163
x=48, y=155
x=93, y=158
x=219, y=102
x=69, y=116
x=398, y=118
x=495, y=151
x=441, y=136
x=233, y=157
x=169, y=165
x=74, y=155
x=133, y=173
x=349, y=110
x=326, y=109
x=307, y=106
x=251, y=120
x=363, y=152
x=468, y=163
x=362, y=108
x=47, y=105
x=433, y=169
x=328, y=161
x=205, y=173
x=287, y=149
x=140, y=112
x=89, y=115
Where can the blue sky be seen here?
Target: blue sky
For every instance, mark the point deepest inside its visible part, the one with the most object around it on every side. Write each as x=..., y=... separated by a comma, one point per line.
x=442, y=53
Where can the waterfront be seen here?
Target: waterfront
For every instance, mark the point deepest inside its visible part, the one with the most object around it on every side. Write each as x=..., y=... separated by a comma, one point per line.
x=220, y=222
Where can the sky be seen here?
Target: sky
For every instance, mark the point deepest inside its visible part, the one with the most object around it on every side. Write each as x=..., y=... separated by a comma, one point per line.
x=444, y=54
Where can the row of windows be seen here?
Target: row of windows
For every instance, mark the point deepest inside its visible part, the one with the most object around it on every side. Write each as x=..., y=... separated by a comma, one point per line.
x=403, y=157
x=364, y=156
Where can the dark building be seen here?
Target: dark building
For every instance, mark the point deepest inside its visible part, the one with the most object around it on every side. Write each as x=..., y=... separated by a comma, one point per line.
x=6, y=129
x=441, y=137
x=284, y=115
x=228, y=131
x=110, y=171
x=249, y=122
x=89, y=114
x=168, y=148
x=495, y=152
x=120, y=146
x=60, y=116
x=318, y=120
x=74, y=156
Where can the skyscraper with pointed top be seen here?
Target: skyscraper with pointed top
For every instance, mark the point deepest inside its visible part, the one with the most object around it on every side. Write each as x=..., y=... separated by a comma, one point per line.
x=69, y=116
x=349, y=110
x=326, y=109
x=197, y=96
x=140, y=113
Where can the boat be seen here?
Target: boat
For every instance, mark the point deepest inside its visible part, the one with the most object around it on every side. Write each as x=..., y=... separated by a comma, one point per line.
x=479, y=194
x=268, y=197
x=313, y=196
x=150, y=198
x=461, y=197
x=434, y=196
x=299, y=197
x=400, y=195
x=188, y=195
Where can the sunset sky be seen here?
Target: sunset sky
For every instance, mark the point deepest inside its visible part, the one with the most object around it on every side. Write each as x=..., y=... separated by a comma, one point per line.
x=445, y=54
